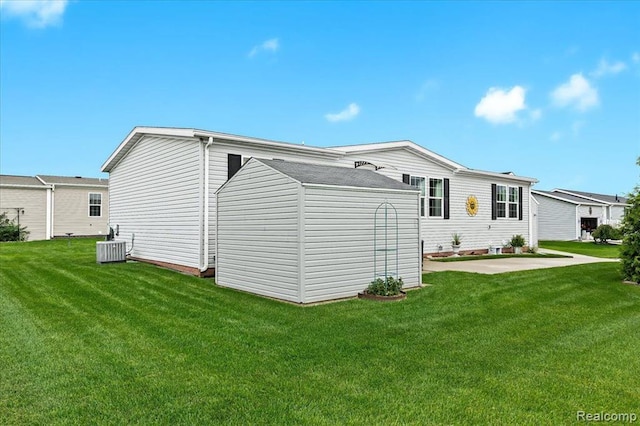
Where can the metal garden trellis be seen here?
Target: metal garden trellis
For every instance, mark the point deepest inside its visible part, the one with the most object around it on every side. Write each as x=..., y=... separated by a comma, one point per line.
x=385, y=242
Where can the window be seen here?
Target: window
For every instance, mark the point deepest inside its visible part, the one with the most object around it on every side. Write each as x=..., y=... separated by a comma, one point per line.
x=506, y=202
x=513, y=202
x=95, y=205
x=436, y=194
x=234, y=162
x=501, y=201
x=419, y=183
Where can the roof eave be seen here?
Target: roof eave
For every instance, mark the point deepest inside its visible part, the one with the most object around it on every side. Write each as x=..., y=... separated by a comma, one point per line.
x=529, y=180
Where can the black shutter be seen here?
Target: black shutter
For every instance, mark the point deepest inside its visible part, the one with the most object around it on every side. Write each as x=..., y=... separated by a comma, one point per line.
x=446, y=199
x=234, y=162
x=494, y=202
x=406, y=179
x=519, y=203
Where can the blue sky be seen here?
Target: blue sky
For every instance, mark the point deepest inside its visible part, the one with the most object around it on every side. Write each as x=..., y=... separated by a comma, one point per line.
x=549, y=90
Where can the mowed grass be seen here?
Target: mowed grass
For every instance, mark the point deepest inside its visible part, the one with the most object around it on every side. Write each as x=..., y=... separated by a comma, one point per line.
x=610, y=251
x=82, y=343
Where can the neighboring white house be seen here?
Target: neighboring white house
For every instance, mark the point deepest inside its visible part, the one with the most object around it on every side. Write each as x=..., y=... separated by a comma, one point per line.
x=616, y=205
x=307, y=233
x=569, y=215
x=163, y=182
x=54, y=206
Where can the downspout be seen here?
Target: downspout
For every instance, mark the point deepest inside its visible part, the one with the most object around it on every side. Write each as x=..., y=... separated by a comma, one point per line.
x=205, y=212
x=577, y=221
x=530, y=218
x=50, y=209
x=49, y=212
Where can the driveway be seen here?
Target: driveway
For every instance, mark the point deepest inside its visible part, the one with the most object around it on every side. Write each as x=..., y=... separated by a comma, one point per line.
x=511, y=264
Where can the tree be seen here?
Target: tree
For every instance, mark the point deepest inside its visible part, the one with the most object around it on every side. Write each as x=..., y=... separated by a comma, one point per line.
x=10, y=231
x=630, y=250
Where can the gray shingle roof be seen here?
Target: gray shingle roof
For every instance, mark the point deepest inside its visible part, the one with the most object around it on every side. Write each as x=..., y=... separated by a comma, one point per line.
x=567, y=197
x=335, y=176
x=600, y=197
x=73, y=180
x=20, y=180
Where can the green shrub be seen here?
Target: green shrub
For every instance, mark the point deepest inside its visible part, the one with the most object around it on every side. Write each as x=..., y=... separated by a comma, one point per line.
x=10, y=231
x=606, y=232
x=517, y=241
x=392, y=287
x=630, y=250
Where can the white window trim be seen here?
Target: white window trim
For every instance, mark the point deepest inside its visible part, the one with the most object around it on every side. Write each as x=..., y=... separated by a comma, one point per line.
x=89, y=203
x=424, y=197
x=441, y=179
x=509, y=202
x=506, y=203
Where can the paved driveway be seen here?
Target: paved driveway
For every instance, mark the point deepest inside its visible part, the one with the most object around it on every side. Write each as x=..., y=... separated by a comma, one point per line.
x=510, y=264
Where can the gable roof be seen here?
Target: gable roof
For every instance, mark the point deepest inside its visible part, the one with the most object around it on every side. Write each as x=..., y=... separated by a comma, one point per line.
x=334, y=153
x=335, y=175
x=567, y=198
x=73, y=180
x=23, y=181
x=609, y=199
x=139, y=132
x=404, y=144
x=429, y=155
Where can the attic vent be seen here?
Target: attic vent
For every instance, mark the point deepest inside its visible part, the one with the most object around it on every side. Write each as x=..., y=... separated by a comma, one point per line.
x=111, y=251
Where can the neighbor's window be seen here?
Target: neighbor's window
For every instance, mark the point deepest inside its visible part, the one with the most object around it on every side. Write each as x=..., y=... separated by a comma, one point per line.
x=513, y=202
x=501, y=201
x=95, y=205
x=435, y=197
x=419, y=183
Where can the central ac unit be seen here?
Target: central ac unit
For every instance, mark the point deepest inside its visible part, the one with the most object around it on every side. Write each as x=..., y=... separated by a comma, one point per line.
x=111, y=251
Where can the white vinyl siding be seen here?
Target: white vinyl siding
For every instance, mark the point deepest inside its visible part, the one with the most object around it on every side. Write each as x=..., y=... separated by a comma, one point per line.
x=478, y=232
x=258, y=233
x=156, y=194
x=339, y=237
x=218, y=172
x=557, y=219
x=304, y=243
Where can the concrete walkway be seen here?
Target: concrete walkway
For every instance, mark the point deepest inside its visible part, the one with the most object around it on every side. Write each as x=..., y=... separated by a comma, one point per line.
x=511, y=264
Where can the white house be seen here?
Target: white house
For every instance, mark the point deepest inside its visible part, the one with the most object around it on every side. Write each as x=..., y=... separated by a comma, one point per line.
x=306, y=233
x=565, y=215
x=163, y=182
x=54, y=206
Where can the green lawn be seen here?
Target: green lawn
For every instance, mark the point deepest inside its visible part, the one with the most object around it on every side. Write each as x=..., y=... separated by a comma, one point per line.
x=82, y=343
x=610, y=251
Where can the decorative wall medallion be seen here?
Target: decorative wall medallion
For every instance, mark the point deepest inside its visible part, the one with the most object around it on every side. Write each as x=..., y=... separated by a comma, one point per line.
x=472, y=205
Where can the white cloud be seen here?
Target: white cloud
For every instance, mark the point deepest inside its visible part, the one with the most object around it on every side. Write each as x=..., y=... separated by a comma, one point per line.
x=577, y=93
x=499, y=106
x=35, y=13
x=555, y=136
x=271, y=45
x=635, y=57
x=349, y=113
x=605, y=68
